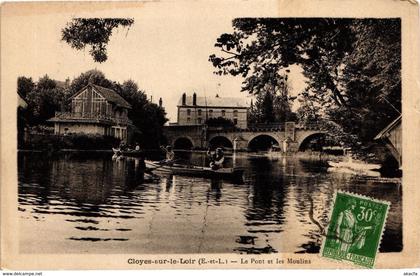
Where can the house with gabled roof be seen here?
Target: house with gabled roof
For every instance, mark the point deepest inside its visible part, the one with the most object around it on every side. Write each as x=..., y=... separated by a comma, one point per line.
x=95, y=110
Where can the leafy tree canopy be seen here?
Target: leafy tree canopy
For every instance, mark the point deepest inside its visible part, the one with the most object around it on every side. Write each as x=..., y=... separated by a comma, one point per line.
x=43, y=100
x=93, y=32
x=92, y=76
x=25, y=85
x=352, y=65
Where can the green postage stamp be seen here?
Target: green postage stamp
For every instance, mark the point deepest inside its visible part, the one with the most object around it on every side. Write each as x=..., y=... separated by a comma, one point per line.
x=355, y=229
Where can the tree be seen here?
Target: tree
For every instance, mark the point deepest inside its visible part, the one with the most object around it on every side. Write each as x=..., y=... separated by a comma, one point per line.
x=95, y=32
x=148, y=117
x=44, y=100
x=273, y=103
x=260, y=47
x=352, y=65
x=92, y=76
x=25, y=85
x=308, y=112
x=371, y=79
x=267, y=109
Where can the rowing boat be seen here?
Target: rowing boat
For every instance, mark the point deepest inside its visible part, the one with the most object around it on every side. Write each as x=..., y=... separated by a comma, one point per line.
x=205, y=172
x=355, y=165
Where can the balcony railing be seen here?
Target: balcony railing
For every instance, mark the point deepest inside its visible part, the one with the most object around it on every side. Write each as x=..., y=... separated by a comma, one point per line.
x=92, y=117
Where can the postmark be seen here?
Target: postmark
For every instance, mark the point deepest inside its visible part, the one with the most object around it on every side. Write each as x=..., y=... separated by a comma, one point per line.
x=355, y=229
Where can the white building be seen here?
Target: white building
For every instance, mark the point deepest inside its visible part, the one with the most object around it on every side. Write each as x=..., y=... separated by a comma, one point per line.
x=194, y=110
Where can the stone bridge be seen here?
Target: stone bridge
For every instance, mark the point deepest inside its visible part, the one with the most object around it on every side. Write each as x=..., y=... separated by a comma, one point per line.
x=289, y=135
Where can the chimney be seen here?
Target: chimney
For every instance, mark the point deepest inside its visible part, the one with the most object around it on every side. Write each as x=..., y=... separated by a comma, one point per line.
x=160, y=102
x=184, y=99
x=194, y=99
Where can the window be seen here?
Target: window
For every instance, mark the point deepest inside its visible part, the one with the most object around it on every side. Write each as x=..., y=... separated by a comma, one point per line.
x=188, y=112
x=199, y=120
x=199, y=112
x=211, y=113
x=188, y=119
x=235, y=121
x=223, y=113
x=235, y=113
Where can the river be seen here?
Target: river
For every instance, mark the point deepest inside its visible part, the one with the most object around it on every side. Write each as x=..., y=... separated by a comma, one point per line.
x=88, y=203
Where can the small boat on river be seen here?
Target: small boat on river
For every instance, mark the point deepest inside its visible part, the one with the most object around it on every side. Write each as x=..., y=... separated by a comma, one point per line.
x=370, y=173
x=189, y=170
x=357, y=166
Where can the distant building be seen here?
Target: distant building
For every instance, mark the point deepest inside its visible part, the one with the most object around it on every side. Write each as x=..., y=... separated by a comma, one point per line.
x=194, y=110
x=391, y=135
x=95, y=110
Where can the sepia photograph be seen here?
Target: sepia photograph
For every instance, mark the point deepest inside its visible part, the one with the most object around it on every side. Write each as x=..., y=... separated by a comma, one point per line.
x=147, y=132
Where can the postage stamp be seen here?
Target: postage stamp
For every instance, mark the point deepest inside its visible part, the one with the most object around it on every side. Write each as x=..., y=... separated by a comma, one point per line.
x=355, y=229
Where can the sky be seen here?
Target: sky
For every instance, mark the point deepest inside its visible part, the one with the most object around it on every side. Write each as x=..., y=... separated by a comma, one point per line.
x=165, y=51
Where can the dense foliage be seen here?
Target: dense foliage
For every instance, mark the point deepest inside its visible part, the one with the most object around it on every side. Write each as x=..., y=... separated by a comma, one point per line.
x=220, y=122
x=48, y=96
x=74, y=141
x=273, y=103
x=95, y=32
x=352, y=66
x=45, y=98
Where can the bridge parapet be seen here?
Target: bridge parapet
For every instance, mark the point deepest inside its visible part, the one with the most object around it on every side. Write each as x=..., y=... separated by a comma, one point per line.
x=266, y=126
x=309, y=127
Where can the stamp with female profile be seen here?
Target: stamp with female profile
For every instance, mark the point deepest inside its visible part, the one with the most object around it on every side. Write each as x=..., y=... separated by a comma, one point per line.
x=355, y=229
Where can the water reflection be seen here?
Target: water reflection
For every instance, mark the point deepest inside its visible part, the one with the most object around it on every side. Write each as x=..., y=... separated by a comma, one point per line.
x=77, y=202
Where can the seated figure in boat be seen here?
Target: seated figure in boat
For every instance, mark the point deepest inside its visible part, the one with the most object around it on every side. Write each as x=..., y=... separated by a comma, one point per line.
x=216, y=159
x=170, y=155
x=137, y=148
x=123, y=146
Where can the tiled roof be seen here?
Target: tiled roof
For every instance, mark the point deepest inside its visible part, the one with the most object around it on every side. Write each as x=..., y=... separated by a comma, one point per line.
x=215, y=102
x=112, y=96
x=109, y=94
x=388, y=128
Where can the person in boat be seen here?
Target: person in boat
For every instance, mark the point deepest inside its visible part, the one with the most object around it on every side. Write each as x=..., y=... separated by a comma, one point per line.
x=170, y=155
x=137, y=148
x=123, y=146
x=216, y=159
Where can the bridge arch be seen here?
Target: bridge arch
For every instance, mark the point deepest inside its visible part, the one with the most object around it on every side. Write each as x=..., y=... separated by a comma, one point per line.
x=262, y=141
x=185, y=143
x=220, y=141
x=312, y=141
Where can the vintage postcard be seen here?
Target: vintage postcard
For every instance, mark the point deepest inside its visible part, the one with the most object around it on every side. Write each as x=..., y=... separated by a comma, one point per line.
x=210, y=134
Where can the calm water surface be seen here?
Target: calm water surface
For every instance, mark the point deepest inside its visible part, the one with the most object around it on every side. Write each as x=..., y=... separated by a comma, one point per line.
x=87, y=203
